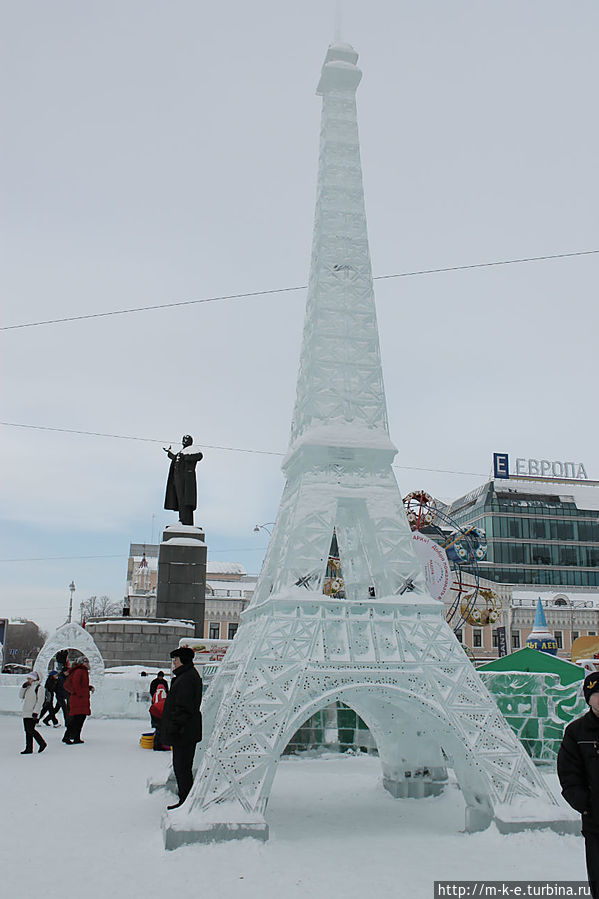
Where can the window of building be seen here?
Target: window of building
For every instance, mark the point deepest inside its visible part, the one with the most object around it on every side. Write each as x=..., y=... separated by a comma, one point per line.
x=591, y=633
x=592, y=557
x=232, y=630
x=559, y=639
x=538, y=529
x=565, y=530
x=541, y=555
x=567, y=555
x=459, y=636
x=588, y=530
x=515, y=639
x=213, y=630
x=575, y=636
x=477, y=638
x=514, y=528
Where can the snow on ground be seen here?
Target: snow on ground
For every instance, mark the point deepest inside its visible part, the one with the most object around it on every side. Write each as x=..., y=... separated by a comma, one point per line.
x=78, y=820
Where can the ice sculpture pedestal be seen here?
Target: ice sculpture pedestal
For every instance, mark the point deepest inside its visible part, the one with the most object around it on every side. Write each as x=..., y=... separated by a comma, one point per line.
x=415, y=786
x=227, y=822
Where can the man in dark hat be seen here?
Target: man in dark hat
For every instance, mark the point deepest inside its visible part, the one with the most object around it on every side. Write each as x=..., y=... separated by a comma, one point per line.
x=181, y=489
x=181, y=725
x=578, y=772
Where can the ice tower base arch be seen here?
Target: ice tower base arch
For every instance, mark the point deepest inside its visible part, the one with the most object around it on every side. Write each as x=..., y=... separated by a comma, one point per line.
x=414, y=688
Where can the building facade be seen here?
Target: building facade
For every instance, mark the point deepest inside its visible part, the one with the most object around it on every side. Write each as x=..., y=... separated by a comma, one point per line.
x=539, y=531
x=569, y=615
x=229, y=589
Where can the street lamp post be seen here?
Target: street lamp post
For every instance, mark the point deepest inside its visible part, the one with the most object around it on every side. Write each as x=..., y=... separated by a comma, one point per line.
x=264, y=527
x=72, y=589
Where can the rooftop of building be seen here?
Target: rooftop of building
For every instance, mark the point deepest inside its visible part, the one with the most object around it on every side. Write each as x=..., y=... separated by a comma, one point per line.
x=555, y=598
x=234, y=570
x=219, y=587
x=584, y=494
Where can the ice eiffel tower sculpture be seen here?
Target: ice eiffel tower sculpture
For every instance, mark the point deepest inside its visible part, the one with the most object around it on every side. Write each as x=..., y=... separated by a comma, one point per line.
x=385, y=649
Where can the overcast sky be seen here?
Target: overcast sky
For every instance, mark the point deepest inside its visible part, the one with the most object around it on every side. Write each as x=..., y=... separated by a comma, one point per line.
x=157, y=152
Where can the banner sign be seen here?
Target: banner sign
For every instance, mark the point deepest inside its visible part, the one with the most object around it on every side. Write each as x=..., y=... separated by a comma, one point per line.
x=501, y=641
x=207, y=651
x=435, y=565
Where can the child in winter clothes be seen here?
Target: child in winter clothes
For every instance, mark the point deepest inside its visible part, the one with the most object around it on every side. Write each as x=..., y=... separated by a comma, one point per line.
x=48, y=712
x=156, y=709
x=33, y=694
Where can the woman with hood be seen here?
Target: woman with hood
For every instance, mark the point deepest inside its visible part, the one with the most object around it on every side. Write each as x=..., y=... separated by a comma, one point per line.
x=78, y=687
x=32, y=693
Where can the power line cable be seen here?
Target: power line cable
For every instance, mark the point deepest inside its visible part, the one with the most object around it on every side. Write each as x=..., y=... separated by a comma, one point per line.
x=230, y=449
x=64, y=558
x=232, y=549
x=261, y=293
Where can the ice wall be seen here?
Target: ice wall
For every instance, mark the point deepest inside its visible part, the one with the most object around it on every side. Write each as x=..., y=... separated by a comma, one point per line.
x=537, y=708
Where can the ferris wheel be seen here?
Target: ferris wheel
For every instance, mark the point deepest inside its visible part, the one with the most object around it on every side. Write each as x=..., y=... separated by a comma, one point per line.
x=450, y=555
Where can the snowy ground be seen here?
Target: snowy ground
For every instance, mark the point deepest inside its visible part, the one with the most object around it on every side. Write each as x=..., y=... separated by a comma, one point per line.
x=77, y=821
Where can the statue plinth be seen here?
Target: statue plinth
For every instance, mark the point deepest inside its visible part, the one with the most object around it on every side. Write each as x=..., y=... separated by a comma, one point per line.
x=181, y=591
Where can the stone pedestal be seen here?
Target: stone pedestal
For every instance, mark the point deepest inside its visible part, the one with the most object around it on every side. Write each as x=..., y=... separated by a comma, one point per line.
x=181, y=591
x=138, y=641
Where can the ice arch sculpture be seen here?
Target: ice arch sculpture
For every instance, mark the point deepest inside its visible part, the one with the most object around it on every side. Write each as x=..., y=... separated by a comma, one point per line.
x=71, y=636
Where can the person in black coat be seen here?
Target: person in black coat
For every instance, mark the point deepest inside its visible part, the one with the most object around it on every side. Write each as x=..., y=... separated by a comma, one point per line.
x=48, y=712
x=159, y=679
x=578, y=772
x=181, y=725
x=62, y=697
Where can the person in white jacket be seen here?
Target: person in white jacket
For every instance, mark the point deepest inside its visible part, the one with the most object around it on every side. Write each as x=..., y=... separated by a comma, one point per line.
x=32, y=693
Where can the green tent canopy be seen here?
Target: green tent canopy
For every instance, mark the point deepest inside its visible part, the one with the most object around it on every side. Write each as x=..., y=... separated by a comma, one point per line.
x=534, y=661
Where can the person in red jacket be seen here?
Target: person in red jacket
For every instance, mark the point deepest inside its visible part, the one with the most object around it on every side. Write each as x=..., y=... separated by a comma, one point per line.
x=156, y=710
x=78, y=687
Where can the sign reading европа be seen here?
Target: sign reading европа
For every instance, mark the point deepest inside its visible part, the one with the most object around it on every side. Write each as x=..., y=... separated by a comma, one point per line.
x=540, y=468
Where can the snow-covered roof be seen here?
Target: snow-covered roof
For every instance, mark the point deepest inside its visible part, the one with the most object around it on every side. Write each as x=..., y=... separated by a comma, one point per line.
x=224, y=568
x=156, y=622
x=183, y=541
x=586, y=496
x=233, y=586
x=234, y=568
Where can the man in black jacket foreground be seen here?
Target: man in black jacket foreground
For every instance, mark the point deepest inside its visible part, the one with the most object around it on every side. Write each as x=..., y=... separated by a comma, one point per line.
x=182, y=720
x=578, y=772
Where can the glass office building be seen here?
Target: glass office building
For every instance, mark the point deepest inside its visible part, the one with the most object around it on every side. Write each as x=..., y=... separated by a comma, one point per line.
x=538, y=532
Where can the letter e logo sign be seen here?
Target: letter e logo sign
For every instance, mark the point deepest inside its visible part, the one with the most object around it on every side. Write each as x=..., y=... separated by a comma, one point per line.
x=501, y=465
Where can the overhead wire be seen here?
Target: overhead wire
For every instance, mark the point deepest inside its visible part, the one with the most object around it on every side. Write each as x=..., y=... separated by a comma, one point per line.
x=259, y=293
x=231, y=449
x=231, y=549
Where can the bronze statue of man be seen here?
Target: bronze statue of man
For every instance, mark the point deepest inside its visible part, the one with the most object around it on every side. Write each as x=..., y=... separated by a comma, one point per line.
x=181, y=490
